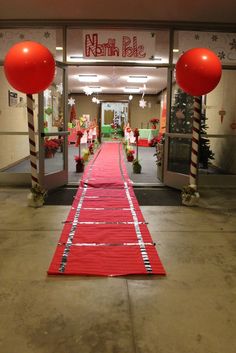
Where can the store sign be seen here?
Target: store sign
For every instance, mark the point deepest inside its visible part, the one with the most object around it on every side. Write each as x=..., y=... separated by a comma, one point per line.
x=119, y=45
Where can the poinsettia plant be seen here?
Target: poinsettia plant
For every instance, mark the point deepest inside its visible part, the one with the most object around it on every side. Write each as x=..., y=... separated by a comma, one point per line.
x=79, y=160
x=154, y=122
x=50, y=146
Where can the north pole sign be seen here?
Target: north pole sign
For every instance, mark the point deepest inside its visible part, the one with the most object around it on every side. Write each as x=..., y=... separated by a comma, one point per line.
x=119, y=45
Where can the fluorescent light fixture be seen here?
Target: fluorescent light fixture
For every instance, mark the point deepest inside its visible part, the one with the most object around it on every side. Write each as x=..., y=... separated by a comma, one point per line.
x=96, y=89
x=175, y=50
x=59, y=48
x=78, y=56
x=88, y=78
x=137, y=78
x=131, y=90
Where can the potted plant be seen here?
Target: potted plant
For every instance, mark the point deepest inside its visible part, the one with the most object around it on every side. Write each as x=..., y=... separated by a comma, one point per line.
x=37, y=196
x=79, y=164
x=50, y=148
x=91, y=148
x=136, y=166
x=130, y=155
x=190, y=195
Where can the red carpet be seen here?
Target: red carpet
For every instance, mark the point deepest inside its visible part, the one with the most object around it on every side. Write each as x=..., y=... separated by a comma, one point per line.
x=105, y=233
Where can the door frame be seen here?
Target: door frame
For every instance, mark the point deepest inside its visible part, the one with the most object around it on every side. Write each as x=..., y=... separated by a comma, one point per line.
x=60, y=178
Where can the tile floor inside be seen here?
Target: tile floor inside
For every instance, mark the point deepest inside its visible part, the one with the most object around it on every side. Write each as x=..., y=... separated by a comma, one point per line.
x=191, y=310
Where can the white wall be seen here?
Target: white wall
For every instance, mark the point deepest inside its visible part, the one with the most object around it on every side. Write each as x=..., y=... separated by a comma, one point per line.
x=223, y=97
x=137, y=115
x=12, y=119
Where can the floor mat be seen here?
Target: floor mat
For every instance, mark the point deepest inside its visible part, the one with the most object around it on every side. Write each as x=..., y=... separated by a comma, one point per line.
x=105, y=233
x=146, y=197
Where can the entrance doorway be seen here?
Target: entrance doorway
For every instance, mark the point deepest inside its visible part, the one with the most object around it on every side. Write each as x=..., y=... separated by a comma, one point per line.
x=103, y=96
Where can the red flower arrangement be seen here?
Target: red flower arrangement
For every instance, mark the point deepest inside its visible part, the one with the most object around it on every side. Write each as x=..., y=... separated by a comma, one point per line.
x=130, y=155
x=50, y=147
x=79, y=136
x=154, y=122
x=79, y=159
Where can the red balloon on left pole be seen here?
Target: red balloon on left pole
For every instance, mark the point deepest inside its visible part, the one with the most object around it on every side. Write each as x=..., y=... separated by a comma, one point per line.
x=29, y=67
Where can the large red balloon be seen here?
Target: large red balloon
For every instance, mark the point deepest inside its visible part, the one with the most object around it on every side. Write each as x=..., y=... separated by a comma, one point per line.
x=198, y=71
x=29, y=67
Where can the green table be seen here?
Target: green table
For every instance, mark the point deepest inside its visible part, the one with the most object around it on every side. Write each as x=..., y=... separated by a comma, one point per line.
x=148, y=134
x=106, y=130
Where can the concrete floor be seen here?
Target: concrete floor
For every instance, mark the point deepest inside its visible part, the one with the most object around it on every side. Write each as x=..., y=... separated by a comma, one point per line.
x=192, y=310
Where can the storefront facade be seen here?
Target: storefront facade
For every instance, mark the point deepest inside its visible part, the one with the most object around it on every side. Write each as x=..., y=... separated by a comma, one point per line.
x=153, y=47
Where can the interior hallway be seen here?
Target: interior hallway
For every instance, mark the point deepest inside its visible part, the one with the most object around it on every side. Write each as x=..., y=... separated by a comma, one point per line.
x=192, y=309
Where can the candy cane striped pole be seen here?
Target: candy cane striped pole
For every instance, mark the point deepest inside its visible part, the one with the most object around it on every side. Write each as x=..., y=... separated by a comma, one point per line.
x=195, y=141
x=32, y=142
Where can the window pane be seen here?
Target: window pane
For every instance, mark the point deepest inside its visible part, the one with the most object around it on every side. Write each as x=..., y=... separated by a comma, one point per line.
x=50, y=38
x=181, y=117
x=222, y=44
x=223, y=155
x=14, y=154
x=53, y=149
x=179, y=155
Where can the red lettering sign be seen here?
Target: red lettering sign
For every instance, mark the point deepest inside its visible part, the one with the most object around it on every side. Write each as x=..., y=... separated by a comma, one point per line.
x=129, y=47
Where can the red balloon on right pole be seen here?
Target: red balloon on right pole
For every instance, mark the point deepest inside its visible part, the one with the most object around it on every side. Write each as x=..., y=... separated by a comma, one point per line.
x=198, y=71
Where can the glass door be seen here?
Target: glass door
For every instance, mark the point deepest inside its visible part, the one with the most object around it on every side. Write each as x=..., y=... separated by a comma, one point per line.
x=53, y=132
x=178, y=139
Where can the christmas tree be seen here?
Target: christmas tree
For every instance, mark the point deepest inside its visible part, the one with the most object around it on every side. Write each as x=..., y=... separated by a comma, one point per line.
x=205, y=153
x=181, y=122
x=181, y=113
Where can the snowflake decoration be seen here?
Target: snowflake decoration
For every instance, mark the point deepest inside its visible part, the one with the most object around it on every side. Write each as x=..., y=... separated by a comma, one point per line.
x=233, y=44
x=94, y=100
x=71, y=101
x=47, y=34
x=47, y=94
x=60, y=88
x=197, y=37
x=88, y=91
x=214, y=38
x=142, y=103
x=221, y=55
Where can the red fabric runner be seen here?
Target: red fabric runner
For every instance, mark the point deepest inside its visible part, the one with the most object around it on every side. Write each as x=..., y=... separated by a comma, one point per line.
x=105, y=233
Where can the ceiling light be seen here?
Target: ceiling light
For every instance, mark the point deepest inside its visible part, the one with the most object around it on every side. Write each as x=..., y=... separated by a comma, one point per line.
x=78, y=56
x=88, y=78
x=59, y=48
x=131, y=90
x=140, y=79
x=175, y=50
x=96, y=89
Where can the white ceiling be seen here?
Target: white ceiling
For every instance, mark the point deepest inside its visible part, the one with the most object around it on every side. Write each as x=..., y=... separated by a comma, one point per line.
x=114, y=79
x=168, y=10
